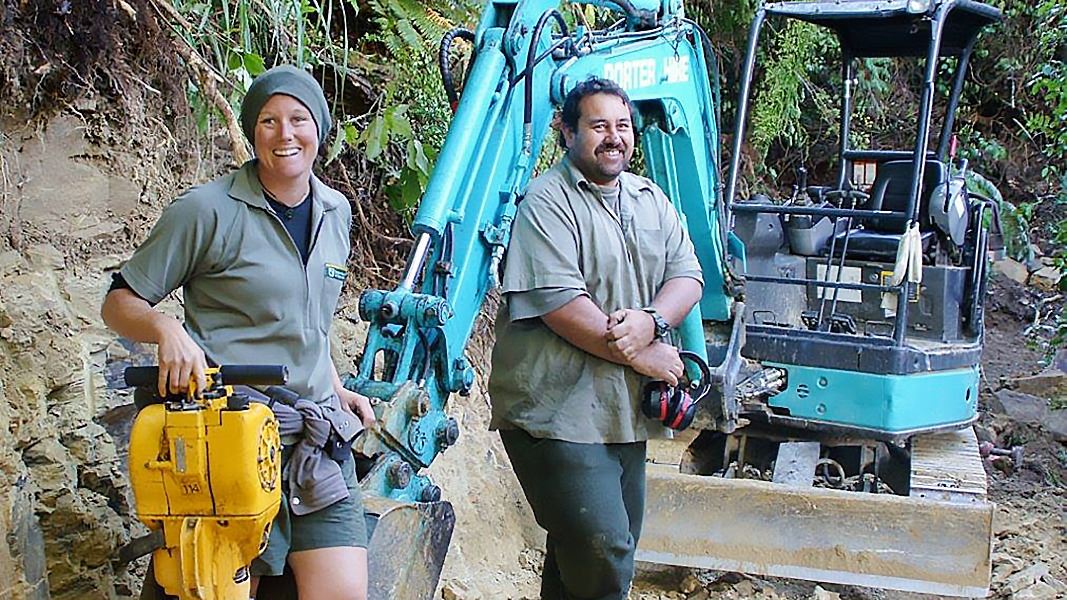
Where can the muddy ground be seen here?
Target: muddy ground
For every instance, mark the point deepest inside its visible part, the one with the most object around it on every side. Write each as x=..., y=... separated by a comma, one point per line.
x=1030, y=523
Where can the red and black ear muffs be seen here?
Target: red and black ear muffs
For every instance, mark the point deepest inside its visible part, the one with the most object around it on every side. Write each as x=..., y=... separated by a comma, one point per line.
x=672, y=406
x=675, y=406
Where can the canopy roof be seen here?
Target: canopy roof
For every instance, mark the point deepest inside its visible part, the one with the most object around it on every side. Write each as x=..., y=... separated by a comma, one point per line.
x=884, y=28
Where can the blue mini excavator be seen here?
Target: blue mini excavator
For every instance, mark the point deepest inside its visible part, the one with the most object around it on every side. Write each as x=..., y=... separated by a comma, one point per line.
x=841, y=327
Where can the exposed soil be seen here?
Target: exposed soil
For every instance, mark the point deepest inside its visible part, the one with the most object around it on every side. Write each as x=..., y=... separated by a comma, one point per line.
x=1030, y=523
x=496, y=550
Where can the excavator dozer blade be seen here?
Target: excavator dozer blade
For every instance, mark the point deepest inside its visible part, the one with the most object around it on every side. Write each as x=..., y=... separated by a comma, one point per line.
x=408, y=543
x=926, y=542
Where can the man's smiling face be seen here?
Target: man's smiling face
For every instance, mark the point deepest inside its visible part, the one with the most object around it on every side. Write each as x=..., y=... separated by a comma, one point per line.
x=603, y=143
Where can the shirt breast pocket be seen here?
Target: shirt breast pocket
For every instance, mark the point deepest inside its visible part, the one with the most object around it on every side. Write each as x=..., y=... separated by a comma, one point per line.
x=333, y=279
x=650, y=253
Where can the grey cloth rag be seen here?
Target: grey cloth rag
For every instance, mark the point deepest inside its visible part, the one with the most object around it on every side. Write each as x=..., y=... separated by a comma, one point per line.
x=315, y=479
x=291, y=81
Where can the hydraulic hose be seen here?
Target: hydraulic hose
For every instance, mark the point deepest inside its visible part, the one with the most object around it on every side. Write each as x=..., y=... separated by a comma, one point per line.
x=531, y=58
x=722, y=206
x=443, y=56
x=713, y=61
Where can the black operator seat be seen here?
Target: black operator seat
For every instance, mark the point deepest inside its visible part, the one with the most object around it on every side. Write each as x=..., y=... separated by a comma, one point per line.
x=877, y=238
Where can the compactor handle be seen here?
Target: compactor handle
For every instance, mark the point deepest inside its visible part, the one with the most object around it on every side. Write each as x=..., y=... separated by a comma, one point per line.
x=228, y=375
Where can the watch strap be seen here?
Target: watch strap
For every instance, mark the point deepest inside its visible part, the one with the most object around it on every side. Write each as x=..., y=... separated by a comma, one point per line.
x=662, y=326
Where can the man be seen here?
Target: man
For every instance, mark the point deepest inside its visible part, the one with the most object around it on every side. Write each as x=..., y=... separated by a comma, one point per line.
x=598, y=269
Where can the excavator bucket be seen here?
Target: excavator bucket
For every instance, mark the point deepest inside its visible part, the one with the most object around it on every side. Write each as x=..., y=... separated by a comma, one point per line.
x=936, y=540
x=408, y=543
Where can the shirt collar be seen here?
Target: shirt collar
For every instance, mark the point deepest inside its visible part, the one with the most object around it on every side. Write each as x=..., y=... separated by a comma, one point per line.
x=247, y=189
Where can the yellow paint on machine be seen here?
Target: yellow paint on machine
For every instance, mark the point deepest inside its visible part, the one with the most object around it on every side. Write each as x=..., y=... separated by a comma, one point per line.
x=211, y=479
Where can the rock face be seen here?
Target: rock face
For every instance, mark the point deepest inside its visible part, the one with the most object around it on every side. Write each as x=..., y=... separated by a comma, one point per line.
x=72, y=202
x=65, y=501
x=65, y=487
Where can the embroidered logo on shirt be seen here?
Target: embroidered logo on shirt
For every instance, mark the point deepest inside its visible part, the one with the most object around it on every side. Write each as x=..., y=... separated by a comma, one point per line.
x=336, y=271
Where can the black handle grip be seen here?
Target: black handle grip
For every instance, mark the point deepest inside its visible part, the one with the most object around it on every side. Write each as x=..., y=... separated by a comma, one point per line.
x=229, y=375
x=280, y=394
x=254, y=374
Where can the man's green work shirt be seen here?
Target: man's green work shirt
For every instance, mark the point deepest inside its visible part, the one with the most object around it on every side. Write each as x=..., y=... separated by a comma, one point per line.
x=249, y=298
x=567, y=241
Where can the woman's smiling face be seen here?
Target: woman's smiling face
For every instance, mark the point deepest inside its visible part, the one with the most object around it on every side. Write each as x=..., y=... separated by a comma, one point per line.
x=287, y=138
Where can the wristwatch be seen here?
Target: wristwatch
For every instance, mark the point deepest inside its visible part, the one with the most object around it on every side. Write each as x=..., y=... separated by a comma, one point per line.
x=662, y=326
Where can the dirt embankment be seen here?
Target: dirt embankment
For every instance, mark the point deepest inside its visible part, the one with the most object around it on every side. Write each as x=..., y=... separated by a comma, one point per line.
x=92, y=148
x=75, y=192
x=78, y=193
x=94, y=132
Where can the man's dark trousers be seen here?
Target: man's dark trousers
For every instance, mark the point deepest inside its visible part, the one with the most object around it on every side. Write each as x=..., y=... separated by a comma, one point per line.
x=590, y=498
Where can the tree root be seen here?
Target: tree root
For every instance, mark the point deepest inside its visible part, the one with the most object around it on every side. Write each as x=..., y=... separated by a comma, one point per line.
x=206, y=79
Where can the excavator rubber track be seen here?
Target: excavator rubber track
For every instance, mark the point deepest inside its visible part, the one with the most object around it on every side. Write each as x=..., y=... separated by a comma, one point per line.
x=936, y=540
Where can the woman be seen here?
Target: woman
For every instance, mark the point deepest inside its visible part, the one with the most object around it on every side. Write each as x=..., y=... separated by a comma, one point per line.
x=260, y=255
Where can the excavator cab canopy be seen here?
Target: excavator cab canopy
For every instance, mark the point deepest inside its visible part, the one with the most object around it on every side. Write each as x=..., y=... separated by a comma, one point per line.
x=889, y=28
x=897, y=186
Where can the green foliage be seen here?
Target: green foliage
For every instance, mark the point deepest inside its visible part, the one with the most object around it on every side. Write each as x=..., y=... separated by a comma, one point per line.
x=241, y=39
x=390, y=141
x=979, y=148
x=1014, y=221
x=777, y=110
x=1046, y=124
x=1049, y=83
x=406, y=130
x=406, y=27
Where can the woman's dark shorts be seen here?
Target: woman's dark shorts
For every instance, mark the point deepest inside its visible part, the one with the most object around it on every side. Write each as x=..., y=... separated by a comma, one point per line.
x=341, y=524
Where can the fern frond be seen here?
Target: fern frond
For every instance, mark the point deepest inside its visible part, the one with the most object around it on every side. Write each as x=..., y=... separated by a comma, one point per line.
x=439, y=20
x=408, y=33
